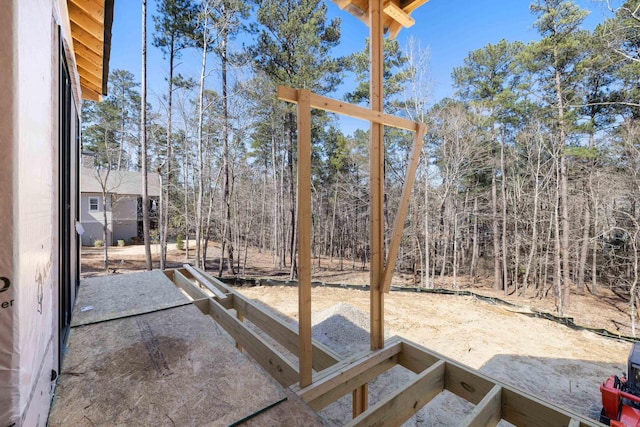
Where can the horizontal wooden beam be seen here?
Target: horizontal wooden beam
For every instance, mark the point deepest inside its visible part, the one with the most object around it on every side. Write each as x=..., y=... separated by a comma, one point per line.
x=188, y=286
x=521, y=408
x=268, y=357
x=276, y=328
x=404, y=403
x=348, y=375
x=205, y=281
x=281, y=332
x=415, y=358
x=461, y=380
x=397, y=14
x=327, y=104
x=487, y=412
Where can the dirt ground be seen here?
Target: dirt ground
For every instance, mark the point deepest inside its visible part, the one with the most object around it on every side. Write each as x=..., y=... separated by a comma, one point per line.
x=548, y=359
x=604, y=310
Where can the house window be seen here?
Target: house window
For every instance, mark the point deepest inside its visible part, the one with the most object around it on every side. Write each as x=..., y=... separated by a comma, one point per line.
x=93, y=204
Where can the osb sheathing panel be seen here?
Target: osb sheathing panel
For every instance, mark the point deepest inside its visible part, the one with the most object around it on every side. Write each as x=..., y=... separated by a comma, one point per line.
x=172, y=367
x=292, y=413
x=118, y=295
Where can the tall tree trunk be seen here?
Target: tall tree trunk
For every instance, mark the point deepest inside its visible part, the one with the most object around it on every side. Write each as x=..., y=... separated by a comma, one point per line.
x=534, y=226
x=476, y=244
x=594, y=256
x=105, y=230
x=497, y=280
x=143, y=141
x=564, y=245
x=427, y=236
x=292, y=197
x=227, y=229
x=186, y=199
x=557, y=246
x=200, y=160
x=164, y=203
x=503, y=238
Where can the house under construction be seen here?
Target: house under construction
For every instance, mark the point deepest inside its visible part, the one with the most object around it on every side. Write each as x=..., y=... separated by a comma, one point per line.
x=180, y=347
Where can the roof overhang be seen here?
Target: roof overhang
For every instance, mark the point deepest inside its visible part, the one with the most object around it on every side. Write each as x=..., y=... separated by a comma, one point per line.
x=397, y=13
x=91, y=22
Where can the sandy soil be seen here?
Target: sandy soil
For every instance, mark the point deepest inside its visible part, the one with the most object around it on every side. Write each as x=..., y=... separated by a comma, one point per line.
x=547, y=359
x=550, y=360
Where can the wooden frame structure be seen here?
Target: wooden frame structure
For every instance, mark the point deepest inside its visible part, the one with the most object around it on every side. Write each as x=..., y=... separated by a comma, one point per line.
x=334, y=378
x=320, y=378
x=380, y=15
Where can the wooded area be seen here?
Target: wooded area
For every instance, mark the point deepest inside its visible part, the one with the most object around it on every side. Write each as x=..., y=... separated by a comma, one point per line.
x=530, y=174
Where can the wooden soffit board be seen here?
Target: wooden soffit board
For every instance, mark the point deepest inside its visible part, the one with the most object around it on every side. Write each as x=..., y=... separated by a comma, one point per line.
x=397, y=13
x=90, y=22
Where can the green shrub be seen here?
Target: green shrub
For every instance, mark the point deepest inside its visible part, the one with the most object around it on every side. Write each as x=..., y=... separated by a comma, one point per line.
x=98, y=243
x=121, y=243
x=179, y=243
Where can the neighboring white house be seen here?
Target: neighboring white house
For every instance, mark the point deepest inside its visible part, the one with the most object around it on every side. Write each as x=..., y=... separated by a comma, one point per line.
x=123, y=191
x=53, y=54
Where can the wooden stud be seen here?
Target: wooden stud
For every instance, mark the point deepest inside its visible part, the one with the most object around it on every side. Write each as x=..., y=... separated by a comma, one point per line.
x=397, y=14
x=360, y=398
x=240, y=318
x=339, y=107
x=376, y=175
x=305, y=356
x=401, y=405
x=486, y=413
x=401, y=213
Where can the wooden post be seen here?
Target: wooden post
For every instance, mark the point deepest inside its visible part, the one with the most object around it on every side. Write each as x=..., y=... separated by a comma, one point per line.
x=304, y=237
x=376, y=188
x=376, y=174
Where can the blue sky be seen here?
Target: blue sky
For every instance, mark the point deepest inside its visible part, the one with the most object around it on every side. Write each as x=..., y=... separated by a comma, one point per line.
x=449, y=28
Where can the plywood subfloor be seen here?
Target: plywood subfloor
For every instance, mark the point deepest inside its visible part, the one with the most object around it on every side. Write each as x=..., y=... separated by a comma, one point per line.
x=119, y=295
x=291, y=413
x=172, y=367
